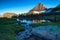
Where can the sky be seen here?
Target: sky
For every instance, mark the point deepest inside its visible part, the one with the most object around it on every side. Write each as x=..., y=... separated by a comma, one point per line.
x=23, y=6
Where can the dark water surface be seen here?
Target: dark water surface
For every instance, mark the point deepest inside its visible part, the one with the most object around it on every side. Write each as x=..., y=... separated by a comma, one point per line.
x=48, y=32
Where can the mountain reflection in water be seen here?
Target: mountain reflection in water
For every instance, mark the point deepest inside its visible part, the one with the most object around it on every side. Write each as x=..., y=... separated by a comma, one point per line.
x=48, y=32
x=39, y=21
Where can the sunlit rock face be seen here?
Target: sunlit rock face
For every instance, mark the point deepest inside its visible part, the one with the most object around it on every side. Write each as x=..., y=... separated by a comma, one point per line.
x=40, y=8
x=37, y=12
x=9, y=15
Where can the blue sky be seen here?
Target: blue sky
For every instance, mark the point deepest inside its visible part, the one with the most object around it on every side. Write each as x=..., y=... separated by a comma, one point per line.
x=23, y=6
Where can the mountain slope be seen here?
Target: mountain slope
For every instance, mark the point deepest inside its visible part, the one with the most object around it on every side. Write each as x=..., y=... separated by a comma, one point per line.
x=40, y=8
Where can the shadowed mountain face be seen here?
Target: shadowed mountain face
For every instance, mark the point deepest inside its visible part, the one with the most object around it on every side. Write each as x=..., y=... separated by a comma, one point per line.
x=56, y=9
x=58, y=6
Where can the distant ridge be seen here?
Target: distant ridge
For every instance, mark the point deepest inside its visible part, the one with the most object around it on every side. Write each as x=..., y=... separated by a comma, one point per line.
x=58, y=6
x=9, y=15
x=56, y=9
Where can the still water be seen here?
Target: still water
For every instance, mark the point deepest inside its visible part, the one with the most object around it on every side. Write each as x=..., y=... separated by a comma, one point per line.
x=34, y=21
x=48, y=32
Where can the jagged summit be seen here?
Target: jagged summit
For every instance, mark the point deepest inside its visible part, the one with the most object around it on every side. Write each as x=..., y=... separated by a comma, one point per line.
x=40, y=6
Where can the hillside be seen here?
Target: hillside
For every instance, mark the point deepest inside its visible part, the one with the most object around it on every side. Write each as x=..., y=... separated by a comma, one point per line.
x=9, y=15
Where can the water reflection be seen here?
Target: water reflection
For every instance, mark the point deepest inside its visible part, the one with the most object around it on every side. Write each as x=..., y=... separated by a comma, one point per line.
x=27, y=32
x=39, y=21
x=48, y=32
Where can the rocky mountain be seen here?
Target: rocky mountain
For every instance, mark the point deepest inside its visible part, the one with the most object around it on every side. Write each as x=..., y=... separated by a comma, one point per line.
x=9, y=15
x=40, y=8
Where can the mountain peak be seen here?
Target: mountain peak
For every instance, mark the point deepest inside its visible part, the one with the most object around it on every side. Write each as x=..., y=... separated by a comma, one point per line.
x=38, y=9
x=40, y=6
x=40, y=3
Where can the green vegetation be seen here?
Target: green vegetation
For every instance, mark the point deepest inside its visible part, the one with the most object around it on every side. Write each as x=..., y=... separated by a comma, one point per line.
x=45, y=24
x=8, y=29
